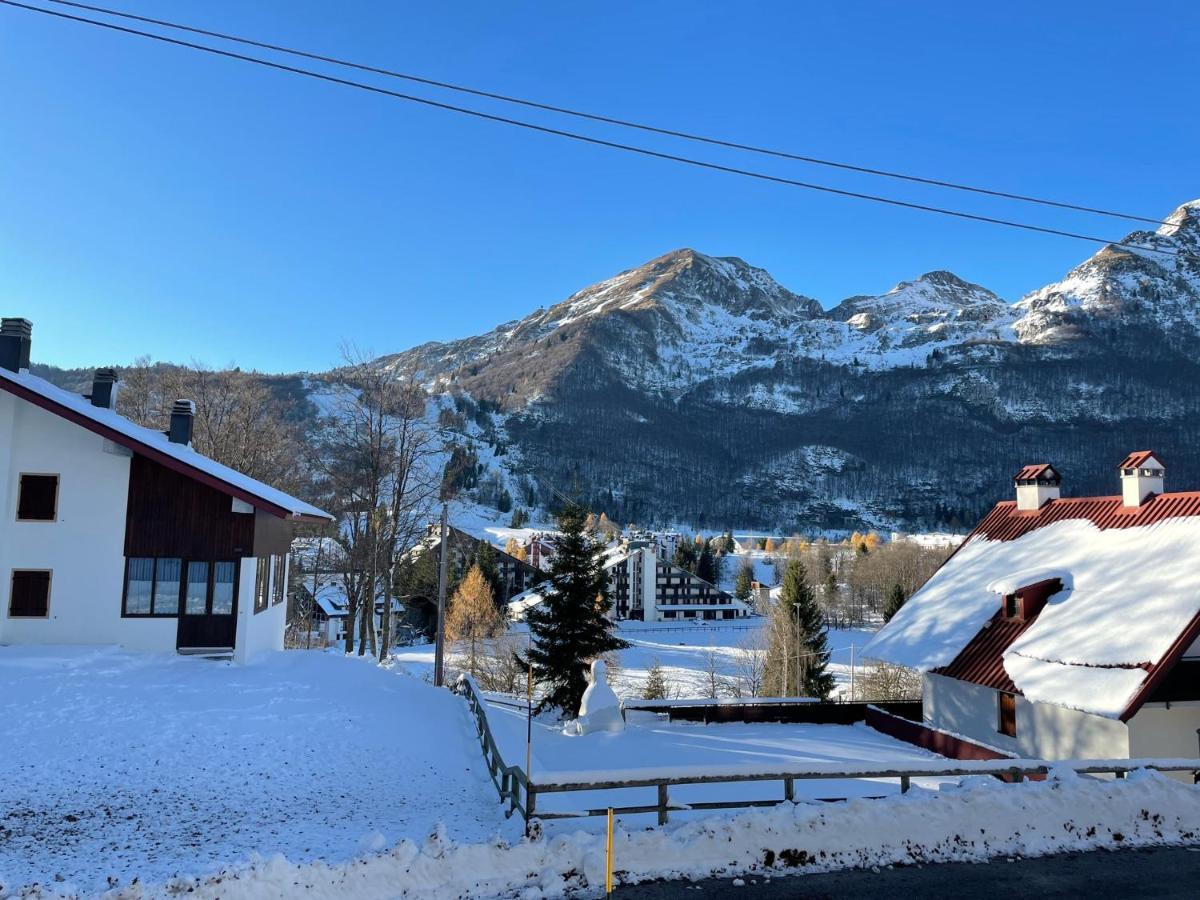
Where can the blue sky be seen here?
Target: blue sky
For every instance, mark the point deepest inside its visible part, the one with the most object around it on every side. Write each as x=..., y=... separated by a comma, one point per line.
x=158, y=201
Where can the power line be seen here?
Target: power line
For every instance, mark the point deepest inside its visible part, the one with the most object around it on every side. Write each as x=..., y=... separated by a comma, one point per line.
x=610, y=120
x=599, y=142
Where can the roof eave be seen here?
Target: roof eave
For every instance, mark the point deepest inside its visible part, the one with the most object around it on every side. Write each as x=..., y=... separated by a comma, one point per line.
x=1185, y=639
x=153, y=453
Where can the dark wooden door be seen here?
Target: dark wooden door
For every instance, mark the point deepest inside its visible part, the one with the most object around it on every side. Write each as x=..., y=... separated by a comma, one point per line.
x=208, y=616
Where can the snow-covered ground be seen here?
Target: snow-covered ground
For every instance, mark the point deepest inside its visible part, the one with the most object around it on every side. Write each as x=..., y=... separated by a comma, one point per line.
x=981, y=820
x=115, y=764
x=687, y=653
x=651, y=743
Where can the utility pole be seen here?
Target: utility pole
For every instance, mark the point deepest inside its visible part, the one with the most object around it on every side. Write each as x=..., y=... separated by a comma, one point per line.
x=439, y=647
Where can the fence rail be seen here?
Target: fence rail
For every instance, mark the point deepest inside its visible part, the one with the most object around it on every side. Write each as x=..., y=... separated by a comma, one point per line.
x=521, y=793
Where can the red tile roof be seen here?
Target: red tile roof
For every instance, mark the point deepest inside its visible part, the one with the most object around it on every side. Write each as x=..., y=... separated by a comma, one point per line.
x=982, y=660
x=1135, y=459
x=1007, y=523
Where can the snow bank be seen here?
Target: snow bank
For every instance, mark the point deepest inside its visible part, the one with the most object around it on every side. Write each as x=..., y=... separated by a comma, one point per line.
x=1132, y=592
x=978, y=821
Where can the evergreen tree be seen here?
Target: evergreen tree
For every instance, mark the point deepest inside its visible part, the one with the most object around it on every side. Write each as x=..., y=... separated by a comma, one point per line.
x=570, y=628
x=656, y=684
x=741, y=590
x=686, y=556
x=706, y=565
x=895, y=600
x=805, y=633
x=485, y=561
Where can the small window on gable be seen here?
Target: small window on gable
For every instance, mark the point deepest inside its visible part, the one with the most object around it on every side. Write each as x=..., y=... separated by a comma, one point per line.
x=37, y=498
x=1007, y=714
x=1012, y=606
x=29, y=597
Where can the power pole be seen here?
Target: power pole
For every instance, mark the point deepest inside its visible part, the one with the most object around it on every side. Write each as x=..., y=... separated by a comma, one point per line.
x=439, y=647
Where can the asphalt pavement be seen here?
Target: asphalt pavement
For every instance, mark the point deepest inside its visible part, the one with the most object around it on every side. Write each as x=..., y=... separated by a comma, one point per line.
x=1161, y=873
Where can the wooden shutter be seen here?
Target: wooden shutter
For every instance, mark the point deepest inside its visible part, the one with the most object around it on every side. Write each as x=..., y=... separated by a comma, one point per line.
x=30, y=595
x=1008, y=714
x=38, y=500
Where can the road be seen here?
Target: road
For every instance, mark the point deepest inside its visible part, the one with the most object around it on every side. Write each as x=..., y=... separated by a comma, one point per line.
x=1158, y=873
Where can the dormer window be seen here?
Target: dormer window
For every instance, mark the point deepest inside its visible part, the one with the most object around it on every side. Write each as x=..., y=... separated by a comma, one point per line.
x=1012, y=606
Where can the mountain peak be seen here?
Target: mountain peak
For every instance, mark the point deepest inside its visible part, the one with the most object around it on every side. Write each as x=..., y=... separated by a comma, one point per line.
x=1185, y=220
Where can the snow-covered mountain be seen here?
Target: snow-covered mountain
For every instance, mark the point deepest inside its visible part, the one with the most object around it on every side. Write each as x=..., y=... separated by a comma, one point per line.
x=698, y=389
x=1123, y=291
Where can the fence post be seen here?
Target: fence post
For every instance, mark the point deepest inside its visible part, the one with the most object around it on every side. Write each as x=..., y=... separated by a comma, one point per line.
x=662, y=803
x=789, y=789
x=530, y=801
x=905, y=784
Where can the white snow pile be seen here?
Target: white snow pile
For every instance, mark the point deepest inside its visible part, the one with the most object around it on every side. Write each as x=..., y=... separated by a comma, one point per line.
x=600, y=709
x=1130, y=593
x=980, y=820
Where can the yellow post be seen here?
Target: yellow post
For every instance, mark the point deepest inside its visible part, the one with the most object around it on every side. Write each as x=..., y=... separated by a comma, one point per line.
x=608, y=867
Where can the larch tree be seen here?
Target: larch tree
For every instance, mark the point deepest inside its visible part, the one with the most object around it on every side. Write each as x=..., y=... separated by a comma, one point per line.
x=473, y=616
x=570, y=627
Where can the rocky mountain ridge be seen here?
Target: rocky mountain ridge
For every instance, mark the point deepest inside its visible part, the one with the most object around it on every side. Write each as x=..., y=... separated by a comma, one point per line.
x=698, y=389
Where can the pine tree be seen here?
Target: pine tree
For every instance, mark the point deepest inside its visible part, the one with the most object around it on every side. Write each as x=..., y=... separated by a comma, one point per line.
x=570, y=628
x=656, y=684
x=686, y=556
x=473, y=616
x=485, y=560
x=801, y=635
x=742, y=588
x=706, y=565
x=895, y=600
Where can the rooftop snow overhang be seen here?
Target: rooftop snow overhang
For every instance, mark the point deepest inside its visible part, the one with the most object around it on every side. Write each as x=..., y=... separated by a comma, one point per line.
x=172, y=457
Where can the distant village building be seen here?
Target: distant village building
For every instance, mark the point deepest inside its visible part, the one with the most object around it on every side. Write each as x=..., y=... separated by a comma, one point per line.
x=516, y=576
x=111, y=533
x=539, y=551
x=1063, y=627
x=645, y=585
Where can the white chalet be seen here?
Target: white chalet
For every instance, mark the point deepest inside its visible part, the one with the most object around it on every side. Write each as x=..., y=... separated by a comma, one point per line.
x=111, y=533
x=1063, y=627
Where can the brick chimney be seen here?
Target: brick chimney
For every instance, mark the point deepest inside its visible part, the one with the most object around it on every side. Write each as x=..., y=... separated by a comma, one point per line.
x=183, y=414
x=16, y=336
x=1141, y=477
x=104, y=389
x=1037, y=485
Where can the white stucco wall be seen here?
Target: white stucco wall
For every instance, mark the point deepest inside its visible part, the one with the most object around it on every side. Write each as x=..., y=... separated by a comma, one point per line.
x=257, y=632
x=84, y=547
x=1044, y=731
x=1157, y=730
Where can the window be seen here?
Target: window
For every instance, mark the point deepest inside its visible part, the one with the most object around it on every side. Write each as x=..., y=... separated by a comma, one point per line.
x=1012, y=606
x=152, y=587
x=30, y=594
x=224, y=578
x=37, y=498
x=262, y=582
x=1007, y=723
x=195, y=598
x=278, y=579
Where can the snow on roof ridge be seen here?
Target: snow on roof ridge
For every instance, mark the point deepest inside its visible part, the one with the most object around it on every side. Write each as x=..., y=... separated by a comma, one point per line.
x=156, y=442
x=1023, y=578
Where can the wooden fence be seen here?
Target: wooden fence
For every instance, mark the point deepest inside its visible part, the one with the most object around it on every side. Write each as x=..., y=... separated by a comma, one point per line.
x=521, y=793
x=774, y=709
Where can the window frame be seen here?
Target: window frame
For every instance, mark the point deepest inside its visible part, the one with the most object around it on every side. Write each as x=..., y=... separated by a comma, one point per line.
x=278, y=579
x=12, y=579
x=262, y=584
x=1013, y=606
x=1006, y=714
x=153, y=614
x=57, y=489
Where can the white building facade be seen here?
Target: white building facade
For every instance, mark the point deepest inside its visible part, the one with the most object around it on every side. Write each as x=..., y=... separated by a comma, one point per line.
x=115, y=534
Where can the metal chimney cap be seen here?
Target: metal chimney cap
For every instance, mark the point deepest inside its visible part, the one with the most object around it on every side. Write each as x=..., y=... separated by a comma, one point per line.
x=18, y=327
x=184, y=408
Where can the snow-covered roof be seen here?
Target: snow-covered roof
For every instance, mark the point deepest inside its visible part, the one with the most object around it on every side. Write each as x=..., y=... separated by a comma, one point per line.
x=155, y=445
x=1131, y=592
x=523, y=602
